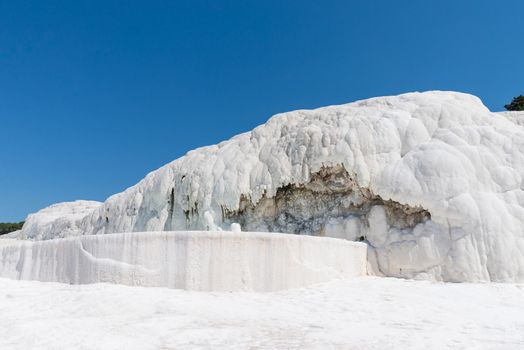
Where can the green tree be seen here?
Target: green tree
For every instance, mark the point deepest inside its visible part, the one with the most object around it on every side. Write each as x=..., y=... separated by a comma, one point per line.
x=516, y=105
x=6, y=227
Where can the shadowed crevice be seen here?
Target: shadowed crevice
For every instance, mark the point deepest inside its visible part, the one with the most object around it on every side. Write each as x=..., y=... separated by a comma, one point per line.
x=331, y=194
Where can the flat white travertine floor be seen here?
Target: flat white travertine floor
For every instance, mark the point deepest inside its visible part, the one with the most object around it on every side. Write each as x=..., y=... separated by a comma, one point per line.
x=363, y=313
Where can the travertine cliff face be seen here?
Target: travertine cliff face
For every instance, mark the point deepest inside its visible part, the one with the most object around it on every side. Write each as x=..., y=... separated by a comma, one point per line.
x=202, y=261
x=432, y=182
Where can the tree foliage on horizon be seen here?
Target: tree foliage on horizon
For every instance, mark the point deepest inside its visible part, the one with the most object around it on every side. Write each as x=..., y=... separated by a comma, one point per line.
x=6, y=227
x=516, y=105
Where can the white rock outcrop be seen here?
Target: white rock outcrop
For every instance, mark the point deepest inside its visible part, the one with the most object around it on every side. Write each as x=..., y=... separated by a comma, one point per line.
x=431, y=181
x=58, y=220
x=516, y=117
x=202, y=261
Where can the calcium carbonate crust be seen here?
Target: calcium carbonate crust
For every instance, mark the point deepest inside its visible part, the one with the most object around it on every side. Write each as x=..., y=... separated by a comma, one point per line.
x=202, y=261
x=431, y=181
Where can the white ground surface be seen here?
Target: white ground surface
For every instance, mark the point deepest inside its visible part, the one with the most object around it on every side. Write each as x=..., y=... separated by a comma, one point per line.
x=363, y=313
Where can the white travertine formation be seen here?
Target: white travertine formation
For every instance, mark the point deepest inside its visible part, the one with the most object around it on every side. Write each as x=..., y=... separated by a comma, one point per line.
x=58, y=220
x=201, y=261
x=433, y=182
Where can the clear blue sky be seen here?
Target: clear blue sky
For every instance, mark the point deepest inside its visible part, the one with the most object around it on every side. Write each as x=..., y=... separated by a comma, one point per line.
x=95, y=94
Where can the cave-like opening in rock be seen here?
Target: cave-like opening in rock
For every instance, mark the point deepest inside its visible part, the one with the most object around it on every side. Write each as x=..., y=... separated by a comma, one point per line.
x=330, y=204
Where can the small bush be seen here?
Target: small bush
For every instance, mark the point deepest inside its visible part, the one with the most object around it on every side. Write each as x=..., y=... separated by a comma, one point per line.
x=516, y=105
x=6, y=227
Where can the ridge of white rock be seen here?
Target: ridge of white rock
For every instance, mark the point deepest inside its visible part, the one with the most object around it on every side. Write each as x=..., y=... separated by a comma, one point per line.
x=515, y=116
x=431, y=181
x=58, y=220
x=202, y=261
